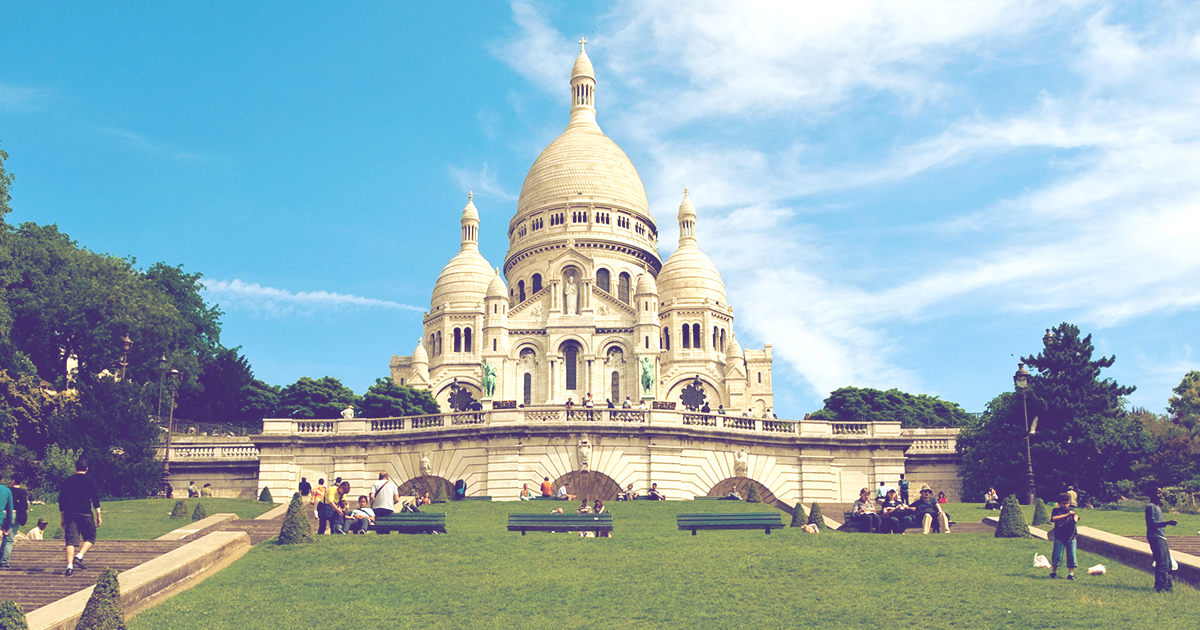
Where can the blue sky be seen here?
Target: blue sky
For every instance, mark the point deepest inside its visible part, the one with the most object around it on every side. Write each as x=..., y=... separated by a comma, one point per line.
x=897, y=195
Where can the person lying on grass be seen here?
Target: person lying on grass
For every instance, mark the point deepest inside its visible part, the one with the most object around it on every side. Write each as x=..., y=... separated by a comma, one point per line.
x=362, y=518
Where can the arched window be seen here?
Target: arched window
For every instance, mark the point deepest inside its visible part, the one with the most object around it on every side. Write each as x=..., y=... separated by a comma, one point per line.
x=715, y=345
x=527, y=389
x=493, y=345
x=616, y=388
x=603, y=281
x=696, y=336
x=760, y=378
x=457, y=340
x=647, y=342
x=722, y=340
x=666, y=338
x=571, y=359
x=623, y=287
x=537, y=283
x=521, y=288
x=439, y=342
x=686, y=336
x=432, y=344
x=467, y=340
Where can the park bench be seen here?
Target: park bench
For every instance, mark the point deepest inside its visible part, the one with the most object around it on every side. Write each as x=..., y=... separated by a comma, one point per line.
x=765, y=521
x=410, y=523
x=850, y=525
x=599, y=523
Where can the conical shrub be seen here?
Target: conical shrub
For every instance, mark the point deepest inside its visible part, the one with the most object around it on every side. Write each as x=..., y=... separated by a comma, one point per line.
x=1012, y=520
x=814, y=516
x=59, y=534
x=752, y=495
x=12, y=617
x=180, y=510
x=1040, y=516
x=296, y=528
x=265, y=495
x=798, y=517
x=439, y=494
x=104, y=610
x=199, y=512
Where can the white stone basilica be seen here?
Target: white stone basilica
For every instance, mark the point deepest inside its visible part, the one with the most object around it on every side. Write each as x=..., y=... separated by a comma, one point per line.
x=588, y=306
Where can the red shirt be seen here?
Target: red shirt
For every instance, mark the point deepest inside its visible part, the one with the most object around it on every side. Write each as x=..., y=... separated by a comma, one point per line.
x=547, y=489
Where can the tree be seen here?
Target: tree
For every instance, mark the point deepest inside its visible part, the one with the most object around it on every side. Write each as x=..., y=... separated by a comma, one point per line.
x=220, y=389
x=311, y=398
x=104, y=610
x=22, y=407
x=1012, y=520
x=854, y=404
x=1040, y=516
x=259, y=400
x=1184, y=406
x=815, y=517
x=12, y=617
x=1174, y=455
x=386, y=399
x=1085, y=437
x=296, y=529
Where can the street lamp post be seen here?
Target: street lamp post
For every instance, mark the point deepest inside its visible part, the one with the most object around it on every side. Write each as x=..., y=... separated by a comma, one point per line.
x=174, y=376
x=162, y=375
x=1021, y=378
x=126, y=344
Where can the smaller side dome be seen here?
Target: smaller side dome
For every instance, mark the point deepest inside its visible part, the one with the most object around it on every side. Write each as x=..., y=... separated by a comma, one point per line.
x=496, y=289
x=464, y=280
x=734, y=349
x=583, y=65
x=419, y=355
x=646, y=284
x=689, y=275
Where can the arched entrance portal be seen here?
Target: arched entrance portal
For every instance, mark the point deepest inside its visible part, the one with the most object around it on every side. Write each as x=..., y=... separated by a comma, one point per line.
x=426, y=483
x=590, y=485
x=742, y=485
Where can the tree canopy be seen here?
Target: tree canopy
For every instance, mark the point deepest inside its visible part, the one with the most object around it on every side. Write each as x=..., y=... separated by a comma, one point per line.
x=855, y=404
x=315, y=398
x=386, y=399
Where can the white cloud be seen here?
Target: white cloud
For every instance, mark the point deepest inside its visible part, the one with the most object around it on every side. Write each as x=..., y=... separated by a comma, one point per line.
x=141, y=143
x=482, y=180
x=18, y=98
x=272, y=301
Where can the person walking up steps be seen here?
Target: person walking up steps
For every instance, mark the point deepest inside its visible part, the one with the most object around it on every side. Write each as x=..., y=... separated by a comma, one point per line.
x=77, y=496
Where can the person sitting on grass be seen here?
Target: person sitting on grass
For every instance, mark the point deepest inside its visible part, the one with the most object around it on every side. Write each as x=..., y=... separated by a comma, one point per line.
x=1064, y=519
x=583, y=508
x=941, y=497
x=547, y=487
x=896, y=516
x=38, y=530
x=628, y=494
x=654, y=494
x=930, y=513
x=562, y=493
x=598, y=508
x=526, y=494
x=864, y=512
x=991, y=500
x=362, y=518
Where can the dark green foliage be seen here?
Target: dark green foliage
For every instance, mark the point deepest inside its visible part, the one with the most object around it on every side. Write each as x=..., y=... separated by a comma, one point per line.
x=104, y=610
x=297, y=529
x=180, y=510
x=11, y=616
x=1040, y=516
x=853, y=404
x=259, y=400
x=312, y=398
x=59, y=534
x=439, y=494
x=386, y=399
x=218, y=394
x=798, y=517
x=752, y=495
x=199, y=512
x=1084, y=437
x=814, y=516
x=265, y=495
x=56, y=466
x=1012, y=520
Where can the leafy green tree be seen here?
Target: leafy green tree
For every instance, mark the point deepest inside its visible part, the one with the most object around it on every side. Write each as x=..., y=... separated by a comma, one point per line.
x=23, y=407
x=1084, y=437
x=1174, y=455
x=855, y=404
x=110, y=422
x=219, y=392
x=312, y=398
x=259, y=400
x=1184, y=406
x=386, y=399
x=12, y=617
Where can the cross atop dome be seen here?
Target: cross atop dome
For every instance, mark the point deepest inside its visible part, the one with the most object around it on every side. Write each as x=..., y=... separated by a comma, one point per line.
x=582, y=42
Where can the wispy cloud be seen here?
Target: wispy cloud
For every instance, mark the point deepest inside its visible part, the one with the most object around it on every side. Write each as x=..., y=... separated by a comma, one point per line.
x=482, y=180
x=142, y=143
x=18, y=98
x=272, y=301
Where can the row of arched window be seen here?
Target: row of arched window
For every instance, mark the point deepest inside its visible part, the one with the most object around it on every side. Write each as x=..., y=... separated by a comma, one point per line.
x=523, y=291
x=690, y=338
x=461, y=341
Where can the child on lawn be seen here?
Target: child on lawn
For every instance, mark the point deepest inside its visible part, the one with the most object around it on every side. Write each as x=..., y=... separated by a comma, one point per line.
x=1064, y=519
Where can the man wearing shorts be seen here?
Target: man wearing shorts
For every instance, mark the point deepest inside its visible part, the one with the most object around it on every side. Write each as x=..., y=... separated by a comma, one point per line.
x=76, y=497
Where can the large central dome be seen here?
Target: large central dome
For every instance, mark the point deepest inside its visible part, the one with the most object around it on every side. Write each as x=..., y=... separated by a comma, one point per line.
x=583, y=164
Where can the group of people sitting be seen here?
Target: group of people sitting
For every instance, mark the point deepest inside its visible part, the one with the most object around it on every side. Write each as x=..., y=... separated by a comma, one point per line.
x=335, y=513
x=893, y=516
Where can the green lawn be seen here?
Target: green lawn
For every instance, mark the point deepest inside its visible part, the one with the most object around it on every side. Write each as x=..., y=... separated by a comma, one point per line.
x=651, y=575
x=1122, y=522
x=147, y=518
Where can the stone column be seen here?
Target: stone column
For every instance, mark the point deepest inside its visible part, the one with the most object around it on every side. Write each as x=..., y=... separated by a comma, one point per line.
x=817, y=482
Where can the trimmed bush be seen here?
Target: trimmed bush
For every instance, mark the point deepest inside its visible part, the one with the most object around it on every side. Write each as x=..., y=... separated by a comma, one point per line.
x=752, y=495
x=104, y=610
x=12, y=617
x=180, y=510
x=1040, y=516
x=297, y=529
x=798, y=518
x=265, y=495
x=199, y=512
x=439, y=494
x=815, y=518
x=59, y=534
x=1012, y=520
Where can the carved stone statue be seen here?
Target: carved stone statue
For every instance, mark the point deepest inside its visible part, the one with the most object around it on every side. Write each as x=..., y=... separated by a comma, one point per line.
x=571, y=303
x=647, y=375
x=489, y=379
x=585, y=455
x=426, y=465
x=741, y=464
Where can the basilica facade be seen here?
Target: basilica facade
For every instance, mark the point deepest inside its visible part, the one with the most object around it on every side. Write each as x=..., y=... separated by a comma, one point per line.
x=584, y=304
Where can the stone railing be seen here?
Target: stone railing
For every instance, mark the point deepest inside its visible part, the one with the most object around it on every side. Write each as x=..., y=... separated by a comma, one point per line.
x=213, y=451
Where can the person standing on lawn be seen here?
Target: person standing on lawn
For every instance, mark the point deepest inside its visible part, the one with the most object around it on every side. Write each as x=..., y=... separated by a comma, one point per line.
x=1158, y=542
x=77, y=495
x=384, y=496
x=903, y=490
x=1064, y=519
x=9, y=527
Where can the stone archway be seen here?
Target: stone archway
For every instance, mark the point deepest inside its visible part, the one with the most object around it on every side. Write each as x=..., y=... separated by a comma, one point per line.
x=591, y=485
x=426, y=483
x=742, y=484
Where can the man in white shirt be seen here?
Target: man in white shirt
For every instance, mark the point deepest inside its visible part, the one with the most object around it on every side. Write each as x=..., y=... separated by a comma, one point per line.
x=384, y=496
x=361, y=519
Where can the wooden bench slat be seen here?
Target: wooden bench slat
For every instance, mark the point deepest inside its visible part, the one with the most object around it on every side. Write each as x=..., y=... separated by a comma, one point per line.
x=750, y=520
x=560, y=522
x=410, y=523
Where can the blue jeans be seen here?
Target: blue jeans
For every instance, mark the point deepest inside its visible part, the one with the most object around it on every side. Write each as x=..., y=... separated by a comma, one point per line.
x=1059, y=548
x=1162, y=564
x=6, y=546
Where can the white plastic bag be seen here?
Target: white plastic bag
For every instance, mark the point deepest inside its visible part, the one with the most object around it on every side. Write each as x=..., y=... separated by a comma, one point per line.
x=1040, y=561
x=1099, y=569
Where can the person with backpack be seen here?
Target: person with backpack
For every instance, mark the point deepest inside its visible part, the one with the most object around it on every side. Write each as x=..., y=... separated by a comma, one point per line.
x=20, y=499
x=903, y=489
x=9, y=525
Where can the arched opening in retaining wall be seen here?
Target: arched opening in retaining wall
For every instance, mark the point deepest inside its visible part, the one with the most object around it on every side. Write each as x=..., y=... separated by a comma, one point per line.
x=590, y=485
x=426, y=483
x=742, y=485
